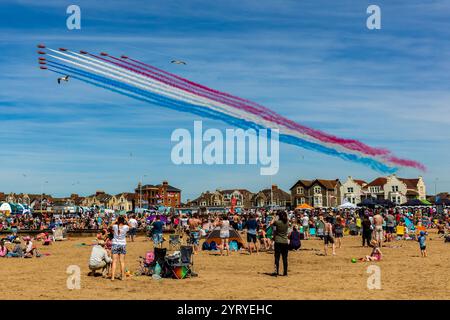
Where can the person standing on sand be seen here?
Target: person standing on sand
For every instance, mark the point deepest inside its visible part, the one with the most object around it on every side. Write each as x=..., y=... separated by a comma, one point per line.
x=119, y=244
x=378, y=222
x=194, y=231
x=224, y=225
x=281, y=242
x=133, y=227
x=251, y=225
x=366, y=231
x=328, y=236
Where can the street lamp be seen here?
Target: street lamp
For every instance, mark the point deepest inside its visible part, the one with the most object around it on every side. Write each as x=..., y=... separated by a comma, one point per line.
x=140, y=191
x=435, y=186
x=42, y=193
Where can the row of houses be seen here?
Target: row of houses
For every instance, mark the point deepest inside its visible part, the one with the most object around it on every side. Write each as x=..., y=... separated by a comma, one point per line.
x=144, y=196
x=243, y=198
x=318, y=193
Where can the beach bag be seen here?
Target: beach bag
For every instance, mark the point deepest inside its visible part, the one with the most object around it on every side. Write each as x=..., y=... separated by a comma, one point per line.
x=213, y=245
x=206, y=246
x=149, y=257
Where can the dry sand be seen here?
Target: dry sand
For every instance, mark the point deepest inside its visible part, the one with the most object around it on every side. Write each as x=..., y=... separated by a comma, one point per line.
x=404, y=274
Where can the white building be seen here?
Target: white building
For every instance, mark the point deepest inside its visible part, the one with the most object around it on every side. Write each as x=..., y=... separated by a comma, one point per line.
x=351, y=190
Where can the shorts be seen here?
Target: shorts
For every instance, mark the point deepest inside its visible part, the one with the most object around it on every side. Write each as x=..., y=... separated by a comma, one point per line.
x=133, y=231
x=224, y=234
x=305, y=228
x=251, y=238
x=119, y=249
x=157, y=238
x=390, y=230
x=195, y=238
x=423, y=248
x=100, y=265
x=379, y=233
x=328, y=239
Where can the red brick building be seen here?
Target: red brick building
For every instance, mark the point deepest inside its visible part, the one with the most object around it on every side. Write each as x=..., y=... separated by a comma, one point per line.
x=157, y=195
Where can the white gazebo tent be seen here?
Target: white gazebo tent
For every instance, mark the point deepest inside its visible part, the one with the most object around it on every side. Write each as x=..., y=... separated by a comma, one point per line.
x=5, y=208
x=347, y=205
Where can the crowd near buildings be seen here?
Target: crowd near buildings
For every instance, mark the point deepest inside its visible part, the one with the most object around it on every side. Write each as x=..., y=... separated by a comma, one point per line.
x=317, y=193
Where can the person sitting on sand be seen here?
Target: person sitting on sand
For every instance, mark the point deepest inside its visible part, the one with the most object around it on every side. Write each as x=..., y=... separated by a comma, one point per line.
x=99, y=259
x=47, y=239
x=294, y=239
x=17, y=252
x=376, y=253
x=30, y=249
x=3, y=249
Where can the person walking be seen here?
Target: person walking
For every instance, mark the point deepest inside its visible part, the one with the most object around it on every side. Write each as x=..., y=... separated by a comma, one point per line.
x=119, y=244
x=281, y=227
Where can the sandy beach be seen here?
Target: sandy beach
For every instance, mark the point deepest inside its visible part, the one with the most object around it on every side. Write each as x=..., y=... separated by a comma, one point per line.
x=404, y=274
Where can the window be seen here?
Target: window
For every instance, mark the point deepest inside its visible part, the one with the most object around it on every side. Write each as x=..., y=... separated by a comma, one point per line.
x=300, y=190
x=350, y=190
x=375, y=189
x=318, y=200
x=203, y=203
x=302, y=200
x=317, y=189
x=394, y=188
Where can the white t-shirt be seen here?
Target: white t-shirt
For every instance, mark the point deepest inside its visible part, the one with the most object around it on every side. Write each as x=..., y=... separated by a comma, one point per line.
x=133, y=223
x=121, y=238
x=305, y=221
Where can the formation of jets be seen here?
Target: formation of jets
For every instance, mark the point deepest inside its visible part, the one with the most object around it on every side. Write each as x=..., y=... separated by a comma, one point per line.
x=42, y=61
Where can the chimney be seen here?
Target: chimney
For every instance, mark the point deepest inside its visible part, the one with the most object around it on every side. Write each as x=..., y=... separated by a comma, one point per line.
x=274, y=187
x=165, y=183
x=99, y=192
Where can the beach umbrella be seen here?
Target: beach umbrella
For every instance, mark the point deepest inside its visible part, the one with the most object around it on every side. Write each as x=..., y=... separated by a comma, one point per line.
x=413, y=203
x=444, y=201
x=303, y=206
x=368, y=202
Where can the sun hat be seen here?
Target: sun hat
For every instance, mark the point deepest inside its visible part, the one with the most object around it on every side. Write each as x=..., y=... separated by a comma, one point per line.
x=16, y=240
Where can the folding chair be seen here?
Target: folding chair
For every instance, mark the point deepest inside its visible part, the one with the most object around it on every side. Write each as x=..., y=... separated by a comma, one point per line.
x=185, y=267
x=160, y=256
x=174, y=241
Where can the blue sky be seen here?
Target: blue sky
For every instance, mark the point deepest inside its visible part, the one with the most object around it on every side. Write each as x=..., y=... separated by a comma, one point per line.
x=312, y=61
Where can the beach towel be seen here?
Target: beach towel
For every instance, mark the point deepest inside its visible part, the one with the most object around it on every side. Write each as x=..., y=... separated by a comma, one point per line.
x=400, y=230
x=409, y=224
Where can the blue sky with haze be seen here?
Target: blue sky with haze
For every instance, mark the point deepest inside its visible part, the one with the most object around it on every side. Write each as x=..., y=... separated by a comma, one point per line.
x=314, y=62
